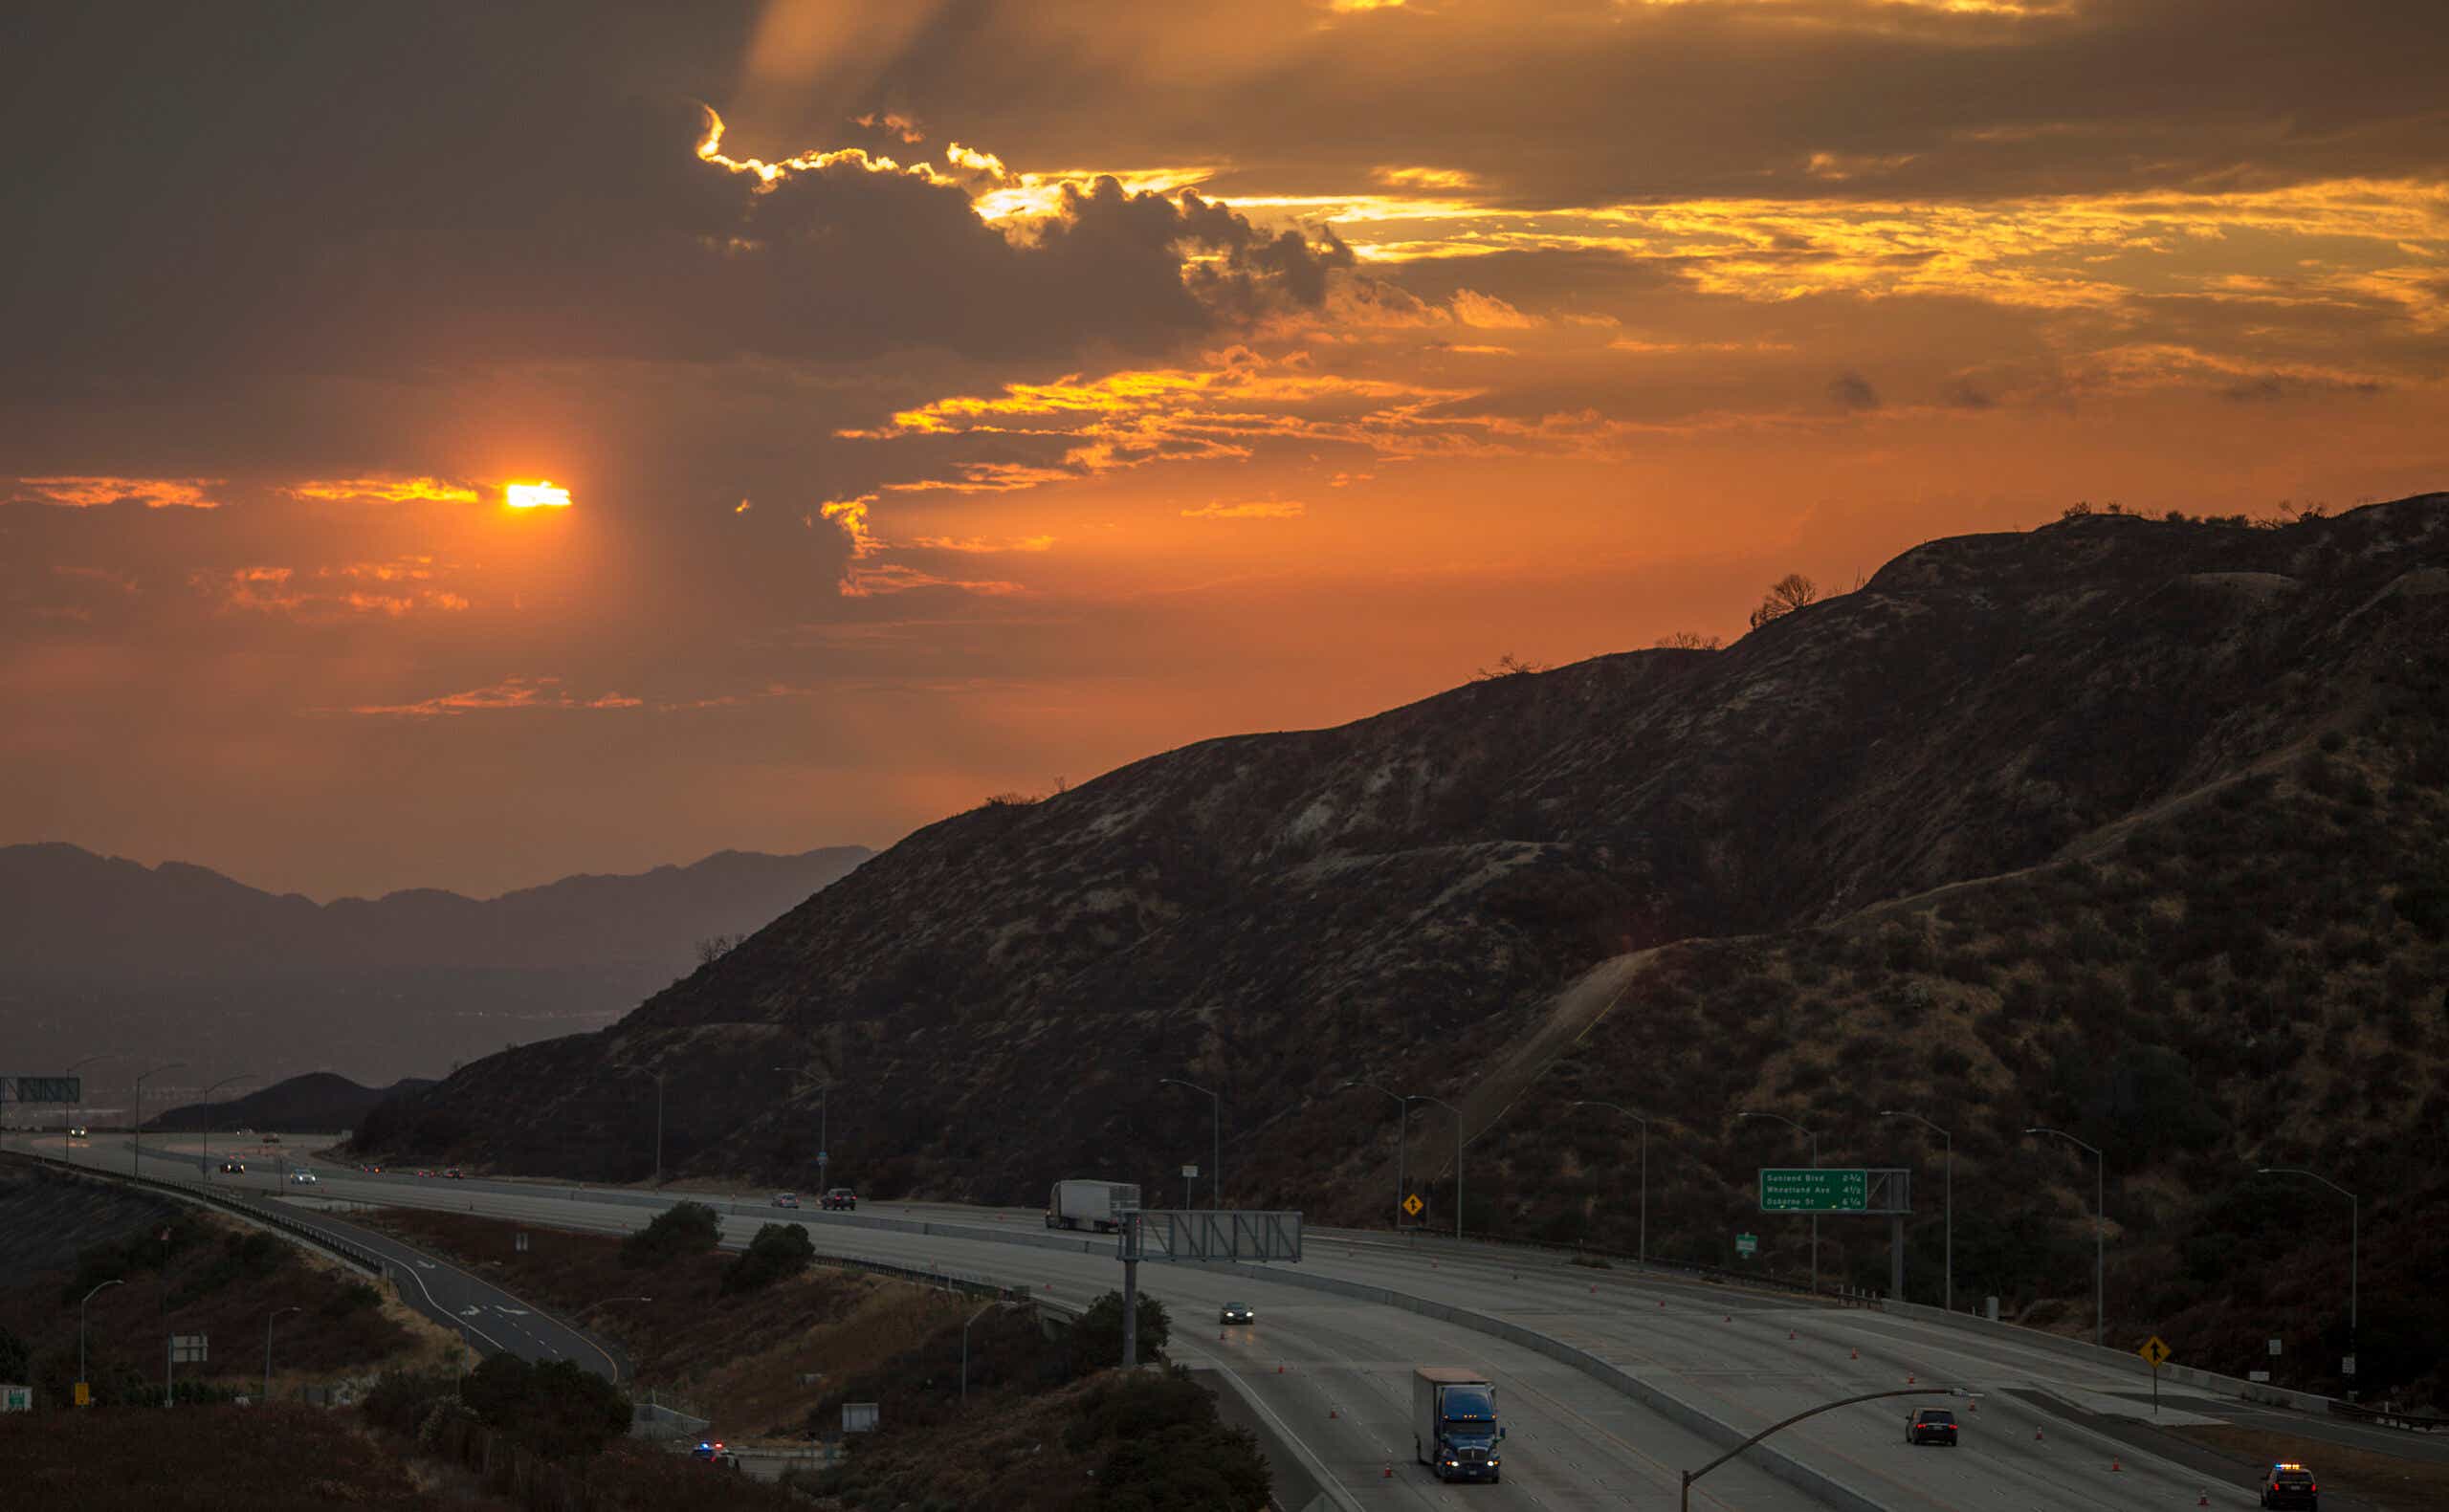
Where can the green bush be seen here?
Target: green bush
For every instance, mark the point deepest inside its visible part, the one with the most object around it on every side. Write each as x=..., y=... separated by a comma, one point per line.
x=555, y=1409
x=779, y=1250
x=1097, y=1339
x=683, y=1229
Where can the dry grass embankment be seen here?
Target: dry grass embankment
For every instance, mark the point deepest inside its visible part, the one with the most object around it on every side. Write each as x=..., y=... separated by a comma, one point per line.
x=187, y=1271
x=2385, y=1480
x=284, y=1458
x=737, y=1359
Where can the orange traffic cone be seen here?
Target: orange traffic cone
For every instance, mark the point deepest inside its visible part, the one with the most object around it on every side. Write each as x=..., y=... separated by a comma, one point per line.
x=2036, y=1435
x=1662, y=1301
x=1390, y=1470
x=1219, y=1336
x=2112, y=1462
x=1330, y=1411
x=1790, y=1333
x=1279, y=1367
x=1853, y=1354
x=2203, y=1500
x=1730, y=1317
x=1909, y=1380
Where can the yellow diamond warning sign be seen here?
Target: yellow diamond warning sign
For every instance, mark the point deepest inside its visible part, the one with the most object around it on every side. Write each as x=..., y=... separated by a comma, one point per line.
x=2155, y=1351
x=1413, y=1204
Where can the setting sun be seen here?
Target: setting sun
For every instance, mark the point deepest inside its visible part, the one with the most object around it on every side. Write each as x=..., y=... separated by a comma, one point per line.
x=540, y=494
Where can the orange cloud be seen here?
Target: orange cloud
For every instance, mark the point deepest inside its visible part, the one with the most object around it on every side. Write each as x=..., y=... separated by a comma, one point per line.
x=509, y=694
x=1265, y=508
x=85, y=490
x=864, y=576
x=385, y=489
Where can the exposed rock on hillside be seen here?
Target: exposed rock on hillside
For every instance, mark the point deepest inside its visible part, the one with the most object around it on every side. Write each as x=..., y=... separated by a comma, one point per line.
x=2128, y=722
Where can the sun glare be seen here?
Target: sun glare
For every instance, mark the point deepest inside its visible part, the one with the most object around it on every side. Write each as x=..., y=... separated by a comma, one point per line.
x=539, y=494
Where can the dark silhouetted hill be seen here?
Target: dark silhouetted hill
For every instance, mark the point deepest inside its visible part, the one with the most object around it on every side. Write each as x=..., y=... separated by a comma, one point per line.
x=320, y=1100
x=2137, y=828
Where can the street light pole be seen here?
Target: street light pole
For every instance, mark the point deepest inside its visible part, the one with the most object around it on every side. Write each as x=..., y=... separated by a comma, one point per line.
x=1423, y=1097
x=1815, y=1165
x=824, y=1126
x=206, y=1098
x=136, y=1150
x=268, y=1321
x=2100, y=1188
x=1950, y=1194
x=964, y=1346
x=1641, y=1256
x=80, y=1329
x=1216, y=1137
x=64, y=1110
x=1403, y=1133
x=2354, y=1234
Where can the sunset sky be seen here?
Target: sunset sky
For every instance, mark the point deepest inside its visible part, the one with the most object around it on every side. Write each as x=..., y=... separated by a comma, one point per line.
x=952, y=397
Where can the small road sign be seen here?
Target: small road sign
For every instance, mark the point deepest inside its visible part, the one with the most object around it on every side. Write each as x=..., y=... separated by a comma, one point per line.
x=84, y=1394
x=1413, y=1204
x=1747, y=1245
x=187, y=1349
x=1189, y=1172
x=2155, y=1351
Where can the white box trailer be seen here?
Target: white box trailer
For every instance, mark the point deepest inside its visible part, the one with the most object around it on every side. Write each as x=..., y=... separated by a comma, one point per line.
x=1454, y=1428
x=1089, y=1204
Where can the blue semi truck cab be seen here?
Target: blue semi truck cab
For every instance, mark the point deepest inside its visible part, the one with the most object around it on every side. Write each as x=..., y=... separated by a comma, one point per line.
x=1455, y=1430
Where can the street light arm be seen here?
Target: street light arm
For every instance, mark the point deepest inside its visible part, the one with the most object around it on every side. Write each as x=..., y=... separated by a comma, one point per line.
x=1690, y=1475
x=89, y=1296
x=1782, y=1119
x=2299, y=1171
x=1588, y=1102
x=2069, y=1138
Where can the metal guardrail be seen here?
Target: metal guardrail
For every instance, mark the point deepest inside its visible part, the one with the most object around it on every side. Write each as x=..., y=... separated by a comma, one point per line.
x=2383, y=1418
x=197, y=1192
x=1715, y=1273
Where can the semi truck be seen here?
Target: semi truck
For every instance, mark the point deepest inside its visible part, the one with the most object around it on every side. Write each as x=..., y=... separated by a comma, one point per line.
x=1089, y=1204
x=1455, y=1431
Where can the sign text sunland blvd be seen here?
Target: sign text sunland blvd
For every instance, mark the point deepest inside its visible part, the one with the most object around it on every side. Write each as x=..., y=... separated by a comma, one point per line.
x=1814, y=1189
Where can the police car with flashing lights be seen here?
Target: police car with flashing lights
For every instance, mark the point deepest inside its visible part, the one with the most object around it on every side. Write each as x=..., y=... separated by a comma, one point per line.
x=2289, y=1484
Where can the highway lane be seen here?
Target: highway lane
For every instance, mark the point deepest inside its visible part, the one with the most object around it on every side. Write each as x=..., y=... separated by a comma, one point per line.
x=1719, y=1348
x=488, y=1318
x=1334, y=1372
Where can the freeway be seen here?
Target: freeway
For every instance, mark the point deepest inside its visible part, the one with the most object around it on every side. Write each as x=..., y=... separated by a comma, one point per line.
x=1332, y=1368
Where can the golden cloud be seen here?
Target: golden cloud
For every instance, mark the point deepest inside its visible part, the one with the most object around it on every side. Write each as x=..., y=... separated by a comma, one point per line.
x=89, y=491
x=1262, y=509
x=385, y=489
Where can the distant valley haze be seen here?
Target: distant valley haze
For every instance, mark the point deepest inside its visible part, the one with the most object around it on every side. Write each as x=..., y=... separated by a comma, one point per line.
x=179, y=962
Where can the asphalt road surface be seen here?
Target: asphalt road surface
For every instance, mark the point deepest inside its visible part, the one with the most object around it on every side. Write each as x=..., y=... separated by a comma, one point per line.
x=1333, y=1371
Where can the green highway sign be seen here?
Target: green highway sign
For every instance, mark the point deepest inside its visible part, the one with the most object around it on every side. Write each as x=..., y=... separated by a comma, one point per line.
x=1814, y=1190
x=42, y=1088
x=1747, y=1245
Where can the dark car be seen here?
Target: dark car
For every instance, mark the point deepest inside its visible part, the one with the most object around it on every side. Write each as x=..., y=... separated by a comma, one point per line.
x=2289, y=1484
x=841, y=1198
x=712, y=1452
x=233, y=1168
x=1236, y=1313
x=452, y=1174
x=1930, y=1425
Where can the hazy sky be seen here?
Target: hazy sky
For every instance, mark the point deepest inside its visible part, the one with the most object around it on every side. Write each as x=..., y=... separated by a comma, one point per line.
x=956, y=397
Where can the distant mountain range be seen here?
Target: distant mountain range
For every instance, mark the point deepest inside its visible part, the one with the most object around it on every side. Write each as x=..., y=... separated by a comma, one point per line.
x=179, y=962
x=65, y=911
x=319, y=1101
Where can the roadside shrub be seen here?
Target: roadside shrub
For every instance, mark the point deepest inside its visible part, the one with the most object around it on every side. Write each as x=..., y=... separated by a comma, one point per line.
x=555, y=1409
x=779, y=1250
x=683, y=1229
x=1097, y=1339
